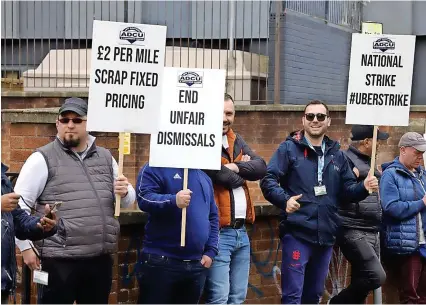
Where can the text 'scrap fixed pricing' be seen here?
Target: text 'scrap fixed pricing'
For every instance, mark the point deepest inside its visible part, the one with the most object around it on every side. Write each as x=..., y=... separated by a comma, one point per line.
x=185, y=117
x=124, y=77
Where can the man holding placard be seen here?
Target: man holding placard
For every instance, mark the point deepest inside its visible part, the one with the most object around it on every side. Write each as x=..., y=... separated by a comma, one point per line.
x=227, y=281
x=361, y=221
x=171, y=273
x=83, y=179
x=306, y=177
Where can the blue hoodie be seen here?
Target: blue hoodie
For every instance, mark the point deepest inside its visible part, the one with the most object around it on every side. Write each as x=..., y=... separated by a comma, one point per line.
x=156, y=194
x=16, y=223
x=402, y=199
x=292, y=170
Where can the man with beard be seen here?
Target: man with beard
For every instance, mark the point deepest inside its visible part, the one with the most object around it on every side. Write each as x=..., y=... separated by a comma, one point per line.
x=84, y=177
x=227, y=280
x=305, y=178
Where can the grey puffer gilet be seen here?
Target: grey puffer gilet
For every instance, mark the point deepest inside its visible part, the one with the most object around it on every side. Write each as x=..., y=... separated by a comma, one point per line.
x=86, y=225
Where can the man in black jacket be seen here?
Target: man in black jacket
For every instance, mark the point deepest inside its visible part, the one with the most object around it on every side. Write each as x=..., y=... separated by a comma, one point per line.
x=359, y=238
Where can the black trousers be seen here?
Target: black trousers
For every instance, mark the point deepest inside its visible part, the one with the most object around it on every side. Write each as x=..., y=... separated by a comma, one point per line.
x=86, y=281
x=4, y=297
x=361, y=249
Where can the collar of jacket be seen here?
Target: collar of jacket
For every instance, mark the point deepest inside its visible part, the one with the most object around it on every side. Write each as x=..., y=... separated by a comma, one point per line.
x=359, y=154
x=399, y=167
x=90, y=144
x=231, y=140
x=298, y=137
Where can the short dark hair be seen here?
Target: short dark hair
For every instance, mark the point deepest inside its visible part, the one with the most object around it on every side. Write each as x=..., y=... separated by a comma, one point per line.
x=228, y=97
x=316, y=102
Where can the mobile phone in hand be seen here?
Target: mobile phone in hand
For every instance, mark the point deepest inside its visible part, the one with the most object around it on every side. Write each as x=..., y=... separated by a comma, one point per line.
x=54, y=209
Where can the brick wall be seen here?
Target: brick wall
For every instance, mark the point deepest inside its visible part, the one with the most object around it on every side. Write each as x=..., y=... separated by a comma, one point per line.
x=263, y=131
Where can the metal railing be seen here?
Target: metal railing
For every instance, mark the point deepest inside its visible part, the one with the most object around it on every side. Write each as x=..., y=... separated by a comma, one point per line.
x=344, y=13
x=46, y=44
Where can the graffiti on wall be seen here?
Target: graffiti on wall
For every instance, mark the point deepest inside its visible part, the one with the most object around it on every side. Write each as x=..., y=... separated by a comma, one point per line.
x=271, y=272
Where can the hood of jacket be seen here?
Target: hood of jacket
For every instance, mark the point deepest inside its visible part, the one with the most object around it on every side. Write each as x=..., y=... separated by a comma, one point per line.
x=401, y=167
x=298, y=137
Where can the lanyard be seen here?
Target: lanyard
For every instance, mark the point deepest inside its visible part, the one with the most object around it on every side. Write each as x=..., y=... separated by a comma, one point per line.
x=320, y=160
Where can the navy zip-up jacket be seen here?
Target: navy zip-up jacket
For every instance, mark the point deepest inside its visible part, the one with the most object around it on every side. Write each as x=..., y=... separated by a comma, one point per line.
x=156, y=194
x=292, y=170
x=16, y=223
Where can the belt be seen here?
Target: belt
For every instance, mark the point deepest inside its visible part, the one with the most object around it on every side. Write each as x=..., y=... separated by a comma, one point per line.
x=238, y=223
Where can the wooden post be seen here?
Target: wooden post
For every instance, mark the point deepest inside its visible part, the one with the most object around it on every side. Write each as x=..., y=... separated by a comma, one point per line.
x=183, y=227
x=120, y=171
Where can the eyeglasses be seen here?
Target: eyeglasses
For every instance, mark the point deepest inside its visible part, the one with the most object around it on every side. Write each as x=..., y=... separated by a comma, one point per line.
x=311, y=116
x=74, y=120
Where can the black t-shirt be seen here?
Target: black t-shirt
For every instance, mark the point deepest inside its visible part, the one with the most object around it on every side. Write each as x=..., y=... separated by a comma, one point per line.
x=318, y=150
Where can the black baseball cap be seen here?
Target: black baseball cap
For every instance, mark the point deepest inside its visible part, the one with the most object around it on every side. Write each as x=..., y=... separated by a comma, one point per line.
x=74, y=104
x=361, y=132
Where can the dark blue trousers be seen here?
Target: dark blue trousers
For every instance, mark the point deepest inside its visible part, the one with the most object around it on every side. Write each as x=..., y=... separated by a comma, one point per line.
x=169, y=281
x=304, y=270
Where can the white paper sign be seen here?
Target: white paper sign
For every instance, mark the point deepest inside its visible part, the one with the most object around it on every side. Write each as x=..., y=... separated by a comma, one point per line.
x=191, y=120
x=424, y=155
x=126, y=77
x=380, y=75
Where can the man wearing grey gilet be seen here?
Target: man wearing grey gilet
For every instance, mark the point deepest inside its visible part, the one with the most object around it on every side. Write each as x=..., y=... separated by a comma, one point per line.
x=72, y=169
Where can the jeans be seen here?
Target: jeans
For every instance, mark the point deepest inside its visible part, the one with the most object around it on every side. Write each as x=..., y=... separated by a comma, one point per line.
x=227, y=279
x=85, y=281
x=303, y=271
x=361, y=249
x=165, y=280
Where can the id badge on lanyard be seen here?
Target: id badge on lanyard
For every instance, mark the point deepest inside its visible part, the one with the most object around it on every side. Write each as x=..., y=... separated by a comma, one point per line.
x=320, y=189
x=41, y=277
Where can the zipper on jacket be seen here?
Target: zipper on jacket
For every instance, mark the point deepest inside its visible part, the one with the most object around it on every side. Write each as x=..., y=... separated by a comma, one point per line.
x=6, y=224
x=8, y=275
x=99, y=200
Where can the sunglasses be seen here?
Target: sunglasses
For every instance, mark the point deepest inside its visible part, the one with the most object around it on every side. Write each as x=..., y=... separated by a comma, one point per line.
x=74, y=120
x=311, y=116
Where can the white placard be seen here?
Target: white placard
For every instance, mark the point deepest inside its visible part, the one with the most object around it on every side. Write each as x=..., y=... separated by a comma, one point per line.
x=191, y=120
x=380, y=76
x=126, y=77
x=424, y=155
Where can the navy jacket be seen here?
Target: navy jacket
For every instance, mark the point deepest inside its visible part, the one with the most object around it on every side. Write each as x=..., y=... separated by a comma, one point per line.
x=156, y=194
x=292, y=170
x=402, y=200
x=16, y=223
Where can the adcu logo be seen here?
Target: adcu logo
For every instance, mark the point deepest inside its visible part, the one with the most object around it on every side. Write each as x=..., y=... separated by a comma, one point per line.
x=384, y=44
x=132, y=34
x=190, y=78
